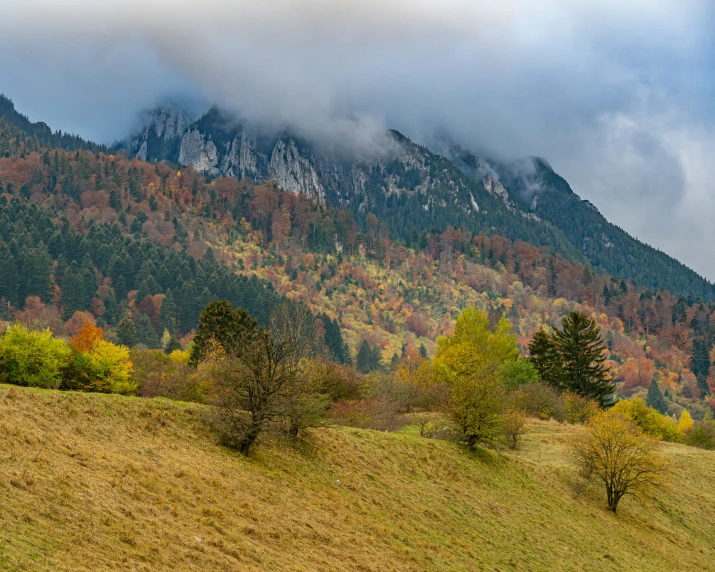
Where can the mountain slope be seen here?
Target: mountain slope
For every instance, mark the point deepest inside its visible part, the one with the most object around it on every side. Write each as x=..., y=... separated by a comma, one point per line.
x=536, y=188
x=413, y=189
x=95, y=482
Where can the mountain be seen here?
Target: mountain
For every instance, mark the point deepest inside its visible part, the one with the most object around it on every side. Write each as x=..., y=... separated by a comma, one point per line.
x=412, y=188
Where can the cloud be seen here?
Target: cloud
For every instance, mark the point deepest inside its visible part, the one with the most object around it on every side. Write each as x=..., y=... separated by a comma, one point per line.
x=618, y=96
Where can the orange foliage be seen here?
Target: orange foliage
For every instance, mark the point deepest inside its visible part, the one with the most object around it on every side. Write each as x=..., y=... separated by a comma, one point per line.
x=84, y=340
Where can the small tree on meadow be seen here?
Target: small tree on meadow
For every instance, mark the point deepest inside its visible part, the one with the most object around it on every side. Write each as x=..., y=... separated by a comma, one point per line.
x=615, y=449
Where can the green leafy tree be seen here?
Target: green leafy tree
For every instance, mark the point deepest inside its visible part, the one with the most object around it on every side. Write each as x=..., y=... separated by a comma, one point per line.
x=32, y=358
x=513, y=374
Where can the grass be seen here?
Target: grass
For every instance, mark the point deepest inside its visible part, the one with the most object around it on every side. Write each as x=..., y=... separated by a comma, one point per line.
x=99, y=482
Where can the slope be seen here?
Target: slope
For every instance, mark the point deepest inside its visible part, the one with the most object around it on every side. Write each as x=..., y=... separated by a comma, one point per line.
x=413, y=189
x=536, y=188
x=95, y=482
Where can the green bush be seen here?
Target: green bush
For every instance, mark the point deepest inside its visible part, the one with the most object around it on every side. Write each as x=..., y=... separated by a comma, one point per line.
x=32, y=358
x=702, y=435
x=649, y=420
x=514, y=374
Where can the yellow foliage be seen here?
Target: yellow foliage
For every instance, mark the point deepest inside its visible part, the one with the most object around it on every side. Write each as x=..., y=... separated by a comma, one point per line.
x=686, y=421
x=180, y=356
x=115, y=366
x=649, y=420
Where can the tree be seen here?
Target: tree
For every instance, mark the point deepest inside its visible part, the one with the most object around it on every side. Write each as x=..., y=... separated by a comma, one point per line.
x=222, y=328
x=126, y=330
x=253, y=389
x=514, y=374
x=546, y=359
x=685, y=423
x=467, y=363
x=32, y=358
x=168, y=313
x=368, y=358
x=615, y=449
x=655, y=398
x=84, y=340
x=582, y=352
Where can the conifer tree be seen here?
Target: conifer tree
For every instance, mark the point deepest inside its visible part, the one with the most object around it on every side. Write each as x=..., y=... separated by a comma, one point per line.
x=545, y=358
x=167, y=314
x=582, y=352
x=126, y=330
x=655, y=398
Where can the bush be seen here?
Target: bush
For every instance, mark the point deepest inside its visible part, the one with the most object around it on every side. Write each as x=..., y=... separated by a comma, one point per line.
x=159, y=375
x=514, y=374
x=543, y=401
x=702, y=435
x=32, y=358
x=378, y=414
x=649, y=420
x=578, y=409
x=514, y=426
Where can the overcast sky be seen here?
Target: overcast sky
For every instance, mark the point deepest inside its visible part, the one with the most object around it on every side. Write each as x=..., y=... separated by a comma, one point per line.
x=619, y=96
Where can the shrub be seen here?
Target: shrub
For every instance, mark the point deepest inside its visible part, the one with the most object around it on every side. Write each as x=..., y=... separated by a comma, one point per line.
x=32, y=358
x=578, y=409
x=159, y=375
x=514, y=426
x=377, y=414
x=649, y=420
x=702, y=434
x=544, y=401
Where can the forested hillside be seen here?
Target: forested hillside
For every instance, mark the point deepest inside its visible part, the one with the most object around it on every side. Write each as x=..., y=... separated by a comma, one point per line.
x=88, y=235
x=413, y=189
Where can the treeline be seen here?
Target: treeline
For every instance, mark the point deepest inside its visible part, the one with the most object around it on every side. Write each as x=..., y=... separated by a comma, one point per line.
x=102, y=271
x=31, y=136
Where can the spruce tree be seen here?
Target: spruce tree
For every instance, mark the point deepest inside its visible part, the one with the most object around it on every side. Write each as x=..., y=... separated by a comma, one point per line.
x=167, y=314
x=545, y=358
x=582, y=352
x=362, y=360
x=126, y=330
x=655, y=398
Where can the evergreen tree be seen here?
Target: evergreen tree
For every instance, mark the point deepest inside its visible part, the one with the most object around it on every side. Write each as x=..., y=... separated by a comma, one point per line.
x=582, y=352
x=655, y=398
x=167, y=314
x=700, y=358
x=8, y=275
x=126, y=330
x=363, y=358
x=334, y=340
x=423, y=351
x=220, y=324
x=703, y=386
x=606, y=295
x=145, y=333
x=545, y=358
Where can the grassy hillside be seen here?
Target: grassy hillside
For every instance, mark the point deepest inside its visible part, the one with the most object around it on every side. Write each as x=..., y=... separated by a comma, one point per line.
x=93, y=482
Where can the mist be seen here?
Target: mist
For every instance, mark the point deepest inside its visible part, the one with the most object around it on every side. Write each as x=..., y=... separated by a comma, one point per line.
x=618, y=97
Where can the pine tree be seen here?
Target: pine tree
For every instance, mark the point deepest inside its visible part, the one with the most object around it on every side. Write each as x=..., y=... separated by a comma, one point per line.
x=700, y=358
x=582, y=352
x=126, y=330
x=655, y=398
x=606, y=295
x=703, y=386
x=423, y=351
x=8, y=275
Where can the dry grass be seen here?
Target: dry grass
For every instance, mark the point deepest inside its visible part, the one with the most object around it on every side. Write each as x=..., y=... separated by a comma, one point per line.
x=97, y=482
